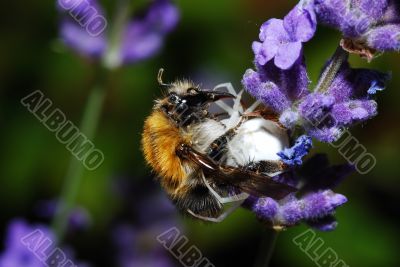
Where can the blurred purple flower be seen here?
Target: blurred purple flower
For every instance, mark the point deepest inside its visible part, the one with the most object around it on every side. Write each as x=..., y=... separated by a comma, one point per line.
x=79, y=219
x=282, y=39
x=141, y=38
x=75, y=37
x=137, y=248
x=366, y=24
x=17, y=254
x=33, y=246
x=144, y=37
x=149, y=213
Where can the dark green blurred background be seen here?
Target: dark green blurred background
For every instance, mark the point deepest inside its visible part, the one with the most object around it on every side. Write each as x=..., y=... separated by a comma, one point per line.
x=211, y=45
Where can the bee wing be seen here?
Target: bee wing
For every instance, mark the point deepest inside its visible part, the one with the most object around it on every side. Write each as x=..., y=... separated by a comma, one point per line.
x=255, y=184
x=250, y=182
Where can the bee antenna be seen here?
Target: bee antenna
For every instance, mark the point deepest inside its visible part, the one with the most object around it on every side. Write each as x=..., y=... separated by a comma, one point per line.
x=159, y=78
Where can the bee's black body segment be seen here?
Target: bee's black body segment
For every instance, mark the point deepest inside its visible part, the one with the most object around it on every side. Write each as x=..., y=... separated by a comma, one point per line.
x=199, y=200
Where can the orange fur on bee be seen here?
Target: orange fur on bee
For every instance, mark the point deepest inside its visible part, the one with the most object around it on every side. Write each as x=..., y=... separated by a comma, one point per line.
x=159, y=141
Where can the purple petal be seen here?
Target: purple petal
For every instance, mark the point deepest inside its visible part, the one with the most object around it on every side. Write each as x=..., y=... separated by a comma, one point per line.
x=300, y=24
x=385, y=38
x=287, y=55
x=77, y=38
x=273, y=30
x=264, y=52
x=375, y=87
x=368, y=81
x=293, y=156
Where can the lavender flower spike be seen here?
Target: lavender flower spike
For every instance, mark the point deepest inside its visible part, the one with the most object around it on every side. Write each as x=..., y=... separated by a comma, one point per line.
x=368, y=26
x=312, y=207
x=317, y=203
x=293, y=156
x=282, y=39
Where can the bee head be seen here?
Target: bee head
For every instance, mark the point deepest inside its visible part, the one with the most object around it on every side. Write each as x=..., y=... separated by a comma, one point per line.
x=186, y=103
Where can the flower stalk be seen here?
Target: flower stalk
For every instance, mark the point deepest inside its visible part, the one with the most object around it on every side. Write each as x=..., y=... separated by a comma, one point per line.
x=112, y=58
x=267, y=248
x=75, y=170
x=339, y=57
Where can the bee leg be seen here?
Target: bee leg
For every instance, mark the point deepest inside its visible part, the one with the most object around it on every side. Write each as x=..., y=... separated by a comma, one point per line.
x=221, y=217
x=236, y=201
x=224, y=200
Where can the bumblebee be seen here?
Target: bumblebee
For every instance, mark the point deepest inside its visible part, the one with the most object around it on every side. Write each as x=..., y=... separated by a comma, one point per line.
x=188, y=147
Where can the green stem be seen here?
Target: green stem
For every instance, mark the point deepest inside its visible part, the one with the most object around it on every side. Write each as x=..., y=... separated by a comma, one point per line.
x=331, y=70
x=267, y=248
x=112, y=58
x=75, y=170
